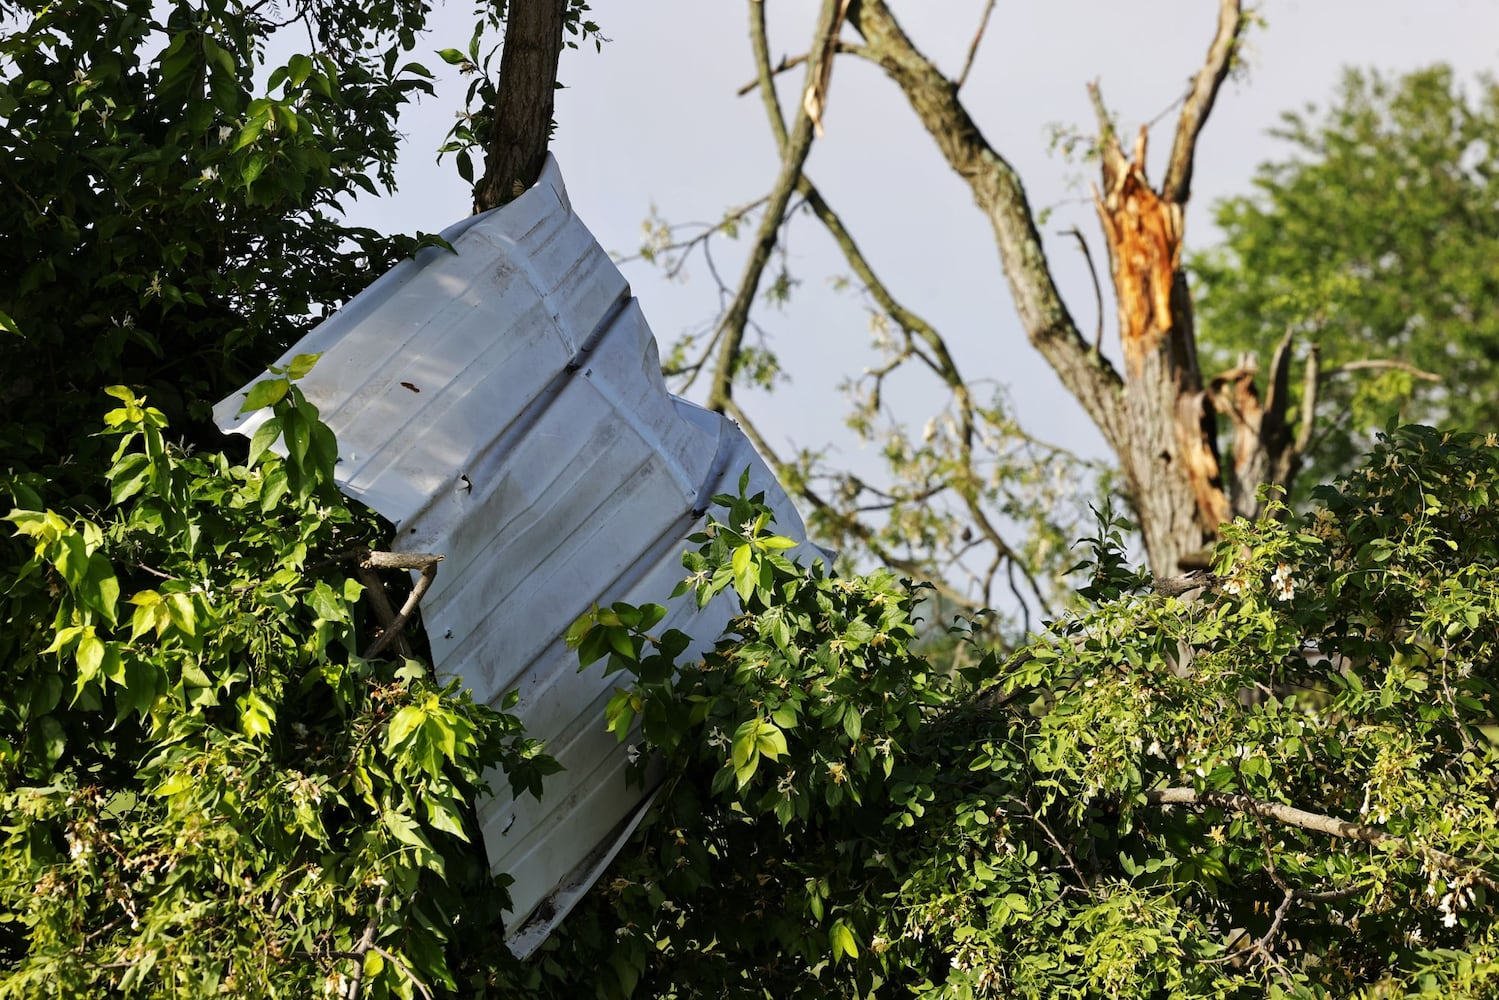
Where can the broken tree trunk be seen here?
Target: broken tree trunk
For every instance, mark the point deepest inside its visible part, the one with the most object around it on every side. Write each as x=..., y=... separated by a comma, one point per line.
x=1170, y=458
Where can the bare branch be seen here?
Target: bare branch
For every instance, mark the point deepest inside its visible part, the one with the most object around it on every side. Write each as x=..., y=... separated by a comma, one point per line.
x=798, y=145
x=1320, y=823
x=1382, y=364
x=1311, y=381
x=941, y=360
x=406, y=970
x=1054, y=840
x=361, y=948
x=1177, y=186
x=997, y=189
x=791, y=62
x=973, y=46
x=385, y=612
x=816, y=96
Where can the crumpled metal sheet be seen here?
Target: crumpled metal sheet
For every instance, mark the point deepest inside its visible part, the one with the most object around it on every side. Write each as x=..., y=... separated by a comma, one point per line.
x=504, y=407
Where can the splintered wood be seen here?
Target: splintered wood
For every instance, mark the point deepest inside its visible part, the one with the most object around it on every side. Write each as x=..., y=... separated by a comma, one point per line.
x=1144, y=234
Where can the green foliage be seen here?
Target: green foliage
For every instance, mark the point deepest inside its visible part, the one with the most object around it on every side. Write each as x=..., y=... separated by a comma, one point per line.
x=1376, y=237
x=207, y=790
x=172, y=198
x=840, y=819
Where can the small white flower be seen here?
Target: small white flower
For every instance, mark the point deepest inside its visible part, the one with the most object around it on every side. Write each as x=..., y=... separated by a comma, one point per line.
x=1285, y=587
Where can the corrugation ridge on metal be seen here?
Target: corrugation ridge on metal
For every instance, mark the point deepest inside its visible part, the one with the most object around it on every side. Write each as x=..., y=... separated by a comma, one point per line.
x=504, y=406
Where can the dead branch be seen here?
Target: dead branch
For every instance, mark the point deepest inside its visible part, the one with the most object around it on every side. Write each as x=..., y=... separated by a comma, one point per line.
x=1082, y=244
x=1199, y=103
x=1319, y=823
x=791, y=62
x=1311, y=381
x=816, y=97
x=385, y=612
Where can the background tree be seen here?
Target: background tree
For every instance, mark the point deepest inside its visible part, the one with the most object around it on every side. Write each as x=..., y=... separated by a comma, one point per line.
x=1375, y=242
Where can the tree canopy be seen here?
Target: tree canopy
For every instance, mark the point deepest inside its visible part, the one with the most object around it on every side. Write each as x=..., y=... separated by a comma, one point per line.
x=1275, y=779
x=225, y=769
x=1375, y=241
x=215, y=778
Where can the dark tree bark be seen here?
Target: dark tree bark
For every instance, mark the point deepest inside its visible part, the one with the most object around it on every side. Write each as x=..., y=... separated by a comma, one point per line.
x=522, y=123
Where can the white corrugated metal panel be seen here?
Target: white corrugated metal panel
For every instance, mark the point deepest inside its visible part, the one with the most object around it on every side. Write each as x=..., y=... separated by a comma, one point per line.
x=504, y=407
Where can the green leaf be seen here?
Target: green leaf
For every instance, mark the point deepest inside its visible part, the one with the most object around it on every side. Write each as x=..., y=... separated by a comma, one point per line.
x=90, y=655
x=853, y=725
x=267, y=392
x=406, y=722
x=128, y=476
x=182, y=612
x=265, y=436
x=300, y=365
x=770, y=741
x=842, y=941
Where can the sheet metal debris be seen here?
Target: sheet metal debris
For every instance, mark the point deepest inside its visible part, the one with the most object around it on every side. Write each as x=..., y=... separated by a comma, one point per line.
x=504, y=406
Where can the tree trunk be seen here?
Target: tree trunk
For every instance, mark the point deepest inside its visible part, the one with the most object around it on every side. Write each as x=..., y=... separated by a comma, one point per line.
x=522, y=122
x=1169, y=457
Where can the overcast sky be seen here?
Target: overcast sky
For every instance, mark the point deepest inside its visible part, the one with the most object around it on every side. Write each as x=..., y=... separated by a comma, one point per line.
x=654, y=120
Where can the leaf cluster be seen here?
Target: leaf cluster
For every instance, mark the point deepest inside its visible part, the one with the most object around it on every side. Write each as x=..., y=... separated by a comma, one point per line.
x=208, y=791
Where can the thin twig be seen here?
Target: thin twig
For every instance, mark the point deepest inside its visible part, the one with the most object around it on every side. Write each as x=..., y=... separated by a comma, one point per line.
x=406, y=970
x=1055, y=842
x=791, y=62
x=1082, y=244
x=973, y=46
x=1383, y=364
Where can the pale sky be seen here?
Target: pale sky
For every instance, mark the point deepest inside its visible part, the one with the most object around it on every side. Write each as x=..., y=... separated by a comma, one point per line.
x=653, y=120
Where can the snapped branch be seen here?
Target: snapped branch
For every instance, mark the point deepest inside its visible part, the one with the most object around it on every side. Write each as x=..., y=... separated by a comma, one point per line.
x=424, y=562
